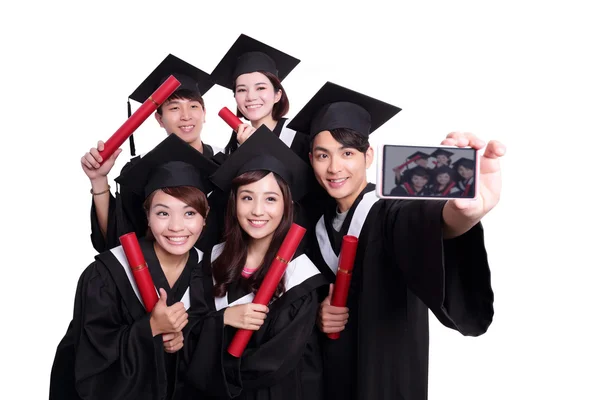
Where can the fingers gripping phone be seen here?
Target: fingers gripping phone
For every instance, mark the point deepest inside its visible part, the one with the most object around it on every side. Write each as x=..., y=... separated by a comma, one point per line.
x=427, y=172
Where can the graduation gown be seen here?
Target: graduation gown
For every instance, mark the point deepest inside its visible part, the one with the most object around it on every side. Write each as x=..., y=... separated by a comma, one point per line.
x=406, y=189
x=452, y=191
x=282, y=360
x=126, y=214
x=467, y=187
x=108, y=351
x=403, y=268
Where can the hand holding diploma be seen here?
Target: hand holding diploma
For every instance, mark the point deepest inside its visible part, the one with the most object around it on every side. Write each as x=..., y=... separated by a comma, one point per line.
x=139, y=116
x=269, y=285
x=344, y=275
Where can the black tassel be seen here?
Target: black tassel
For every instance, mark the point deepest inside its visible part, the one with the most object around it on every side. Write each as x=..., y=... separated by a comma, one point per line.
x=131, y=142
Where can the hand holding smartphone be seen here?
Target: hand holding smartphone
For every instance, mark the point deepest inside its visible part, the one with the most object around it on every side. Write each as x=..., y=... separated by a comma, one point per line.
x=427, y=172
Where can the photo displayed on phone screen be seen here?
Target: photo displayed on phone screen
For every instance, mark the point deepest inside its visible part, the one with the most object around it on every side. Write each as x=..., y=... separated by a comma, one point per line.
x=428, y=172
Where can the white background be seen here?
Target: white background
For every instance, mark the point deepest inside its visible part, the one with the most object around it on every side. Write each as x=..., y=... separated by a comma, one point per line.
x=523, y=72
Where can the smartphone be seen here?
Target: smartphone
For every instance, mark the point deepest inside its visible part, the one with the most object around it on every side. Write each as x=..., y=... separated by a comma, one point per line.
x=427, y=172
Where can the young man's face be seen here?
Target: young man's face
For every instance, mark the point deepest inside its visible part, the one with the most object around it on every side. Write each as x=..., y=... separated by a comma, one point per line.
x=466, y=173
x=342, y=171
x=184, y=118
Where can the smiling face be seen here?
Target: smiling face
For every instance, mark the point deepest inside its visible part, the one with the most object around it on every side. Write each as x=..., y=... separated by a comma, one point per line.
x=255, y=96
x=260, y=207
x=419, y=181
x=183, y=117
x=175, y=225
x=466, y=173
x=443, y=178
x=340, y=169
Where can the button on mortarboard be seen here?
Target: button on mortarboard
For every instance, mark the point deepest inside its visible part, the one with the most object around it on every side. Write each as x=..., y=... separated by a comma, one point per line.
x=248, y=55
x=170, y=164
x=335, y=107
x=264, y=151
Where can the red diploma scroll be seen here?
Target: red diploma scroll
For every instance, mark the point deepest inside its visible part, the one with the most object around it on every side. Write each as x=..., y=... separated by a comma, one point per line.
x=399, y=167
x=269, y=285
x=344, y=275
x=139, y=116
x=230, y=118
x=138, y=266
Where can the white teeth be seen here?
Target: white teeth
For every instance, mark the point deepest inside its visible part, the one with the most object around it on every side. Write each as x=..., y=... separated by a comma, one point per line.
x=177, y=239
x=337, y=180
x=254, y=106
x=257, y=222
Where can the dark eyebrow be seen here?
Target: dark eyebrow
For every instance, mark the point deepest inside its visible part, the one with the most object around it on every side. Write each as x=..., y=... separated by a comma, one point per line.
x=160, y=205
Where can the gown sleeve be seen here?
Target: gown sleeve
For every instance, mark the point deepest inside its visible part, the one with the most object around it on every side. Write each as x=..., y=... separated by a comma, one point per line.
x=285, y=340
x=451, y=277
x=280, y=350
x=125, y=214
x=116, y=357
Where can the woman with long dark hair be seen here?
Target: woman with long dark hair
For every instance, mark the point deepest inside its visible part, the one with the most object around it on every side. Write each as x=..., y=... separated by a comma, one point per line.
x=263, y=178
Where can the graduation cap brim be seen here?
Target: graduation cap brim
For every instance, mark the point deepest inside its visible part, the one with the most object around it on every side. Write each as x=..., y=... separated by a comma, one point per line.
x=264, y=151
x=422, y=156
x=229, y=69
x=311, y=119
x=172, y=149
x=466, y=162
x=190, y=77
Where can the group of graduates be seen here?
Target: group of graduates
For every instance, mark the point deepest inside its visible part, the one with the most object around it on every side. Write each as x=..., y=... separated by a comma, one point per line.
x=445, y=179
x=210, y=224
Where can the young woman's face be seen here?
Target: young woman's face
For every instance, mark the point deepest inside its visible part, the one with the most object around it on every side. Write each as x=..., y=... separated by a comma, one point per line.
x=466, y=173
x=184, y=118
x=442, y=160
x=175, y=225
x=260, y=207
x=443, y=179
x=255, y=96
x=419, y=181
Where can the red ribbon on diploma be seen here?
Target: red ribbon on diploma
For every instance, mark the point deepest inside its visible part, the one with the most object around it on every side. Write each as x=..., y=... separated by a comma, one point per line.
x=138, y=266
x=230, y=118
x=139, y=116
x=399, y=167
x=344, y=275
x=269, y=285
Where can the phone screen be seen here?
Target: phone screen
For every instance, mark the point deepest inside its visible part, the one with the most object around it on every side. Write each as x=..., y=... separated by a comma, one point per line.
x=427, y=172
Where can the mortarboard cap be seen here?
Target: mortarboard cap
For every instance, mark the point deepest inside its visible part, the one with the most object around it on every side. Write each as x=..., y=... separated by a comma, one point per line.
x=170, y=164
x=249, y=55
x=444, y=169
x=334, y=107
x=441, y=152
x=190, y=77
x=423, y=156
x=465, y=162
x=264, y=151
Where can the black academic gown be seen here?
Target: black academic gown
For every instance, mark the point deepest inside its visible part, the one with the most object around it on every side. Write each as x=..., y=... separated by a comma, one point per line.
x=126, y=214
x=282, y=359
x=407, y=189
x=467, y=187
x=403, y=268
x=108, y=351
